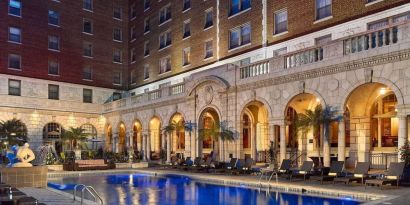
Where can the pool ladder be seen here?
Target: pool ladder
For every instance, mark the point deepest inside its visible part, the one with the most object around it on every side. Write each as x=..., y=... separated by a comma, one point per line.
x=89, y=189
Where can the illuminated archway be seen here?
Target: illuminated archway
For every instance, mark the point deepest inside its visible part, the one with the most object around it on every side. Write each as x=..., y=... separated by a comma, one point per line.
x=108, y=138
x=137, y=136
x=52, y=133
x=208, y=119
x=178, y=135
x=121, y=138
x=254, y=127
x=155, y=137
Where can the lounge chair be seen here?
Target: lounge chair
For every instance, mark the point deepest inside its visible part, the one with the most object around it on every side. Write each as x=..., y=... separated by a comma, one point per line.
x=304, y=171
x=184, y=163
x=238, y=169
x=336, y=169
x=360, y=174
x=284, y=168
x=392, y=177
x=231, y=165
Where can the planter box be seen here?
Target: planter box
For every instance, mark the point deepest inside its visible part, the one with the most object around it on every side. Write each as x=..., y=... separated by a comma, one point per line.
x=131, y=165
x=57, y=167
x=25, y=176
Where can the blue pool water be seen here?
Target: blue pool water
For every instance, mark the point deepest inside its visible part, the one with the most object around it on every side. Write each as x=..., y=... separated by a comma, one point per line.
x=147, y=189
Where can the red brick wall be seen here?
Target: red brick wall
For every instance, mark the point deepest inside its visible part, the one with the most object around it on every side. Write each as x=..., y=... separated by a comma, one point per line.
x=35, y=31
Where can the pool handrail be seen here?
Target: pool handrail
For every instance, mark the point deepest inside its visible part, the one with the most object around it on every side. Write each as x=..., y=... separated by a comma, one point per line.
x=92, y=192
x=75, y=189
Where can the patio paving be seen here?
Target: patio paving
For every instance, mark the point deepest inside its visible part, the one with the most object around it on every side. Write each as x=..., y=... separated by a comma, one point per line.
x=52, y=197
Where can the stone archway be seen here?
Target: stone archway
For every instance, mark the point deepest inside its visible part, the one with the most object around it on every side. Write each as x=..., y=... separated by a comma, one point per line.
x=208, y=119
x=374, y=124
x=137, y=136
x=52, y=133
x=155, y=137
x=122, y=137
x=177, y=137
x=108, y=138
x=254, y=130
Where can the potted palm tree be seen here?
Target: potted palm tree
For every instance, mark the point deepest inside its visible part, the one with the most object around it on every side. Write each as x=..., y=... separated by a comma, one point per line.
x=316, y=119
x=13, y=131
x=405, y=157
x=75, y=138
x=216, y=132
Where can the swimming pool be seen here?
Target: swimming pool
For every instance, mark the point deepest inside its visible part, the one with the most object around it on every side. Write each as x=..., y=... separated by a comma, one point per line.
x=131, y=189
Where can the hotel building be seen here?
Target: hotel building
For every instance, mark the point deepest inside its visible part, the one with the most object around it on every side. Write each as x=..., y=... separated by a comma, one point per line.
x=125, y=69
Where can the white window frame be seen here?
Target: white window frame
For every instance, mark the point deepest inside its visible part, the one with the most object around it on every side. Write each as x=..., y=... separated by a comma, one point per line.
x=20, y=35
x=161, y=71
x=58, y=43
x=275, y=31
x=58, y=67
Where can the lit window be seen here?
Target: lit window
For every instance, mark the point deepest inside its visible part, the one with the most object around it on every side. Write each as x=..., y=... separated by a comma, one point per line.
x=281, y=21
x=117, y=78
x=209, y=18
x=87, y=95
x=239, y=5
x=15, y=61
x=87, y=73
x=146, y=48
x=146, y=71
x=53, y=18
x=14, y=87
x=88, y=5
x=165, y=14
x=117, y=56
x=146, y=25
x=323, y=9
x=54, y=43
x=186, y=29
x=209, y=49
x=87, y=49
x=165, y=65
x=53, y=92
x=117, y=12
x=186, y=56
x=87, y=26
x=165, y=39
x=186, y=5
x=15, y=7
x=240, y=36
x=53, y=68
x=117, y=34
x=14, y=34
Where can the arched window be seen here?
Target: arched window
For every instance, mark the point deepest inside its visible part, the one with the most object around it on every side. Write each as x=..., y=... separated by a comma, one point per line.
x=90, y=131
x=52, y=131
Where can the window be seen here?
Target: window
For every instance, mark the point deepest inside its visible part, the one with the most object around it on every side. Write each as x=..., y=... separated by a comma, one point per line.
x=14, y=34
x=53, y=92
x=165, y=65
x=87, y=26
x=87, y=73
x=323, y=9
x=187, y=5
x=88, y=5
x=117, y=56
x=146, y=48
x=238, y=6
x=87, y=49
x=87, y=95
x=53, y=68
x=117, y=12
x=90, y=131
x=146, y=71
x=378, y=25
x=209, y=49
x=165, y=39
x=53, y=18
x=54, y=43
x=209, y=18
x=116, y=78
x=165, y=14
x=281, y=21
x=14, y=87
x=133, y=55
x=146, y=4
x=133, y=12
x=133, y=33
x=186, y=29
x=15, y=7
x=117, y=34
x=146, y=25
x=15, y=61
x=186, y=56
x=240, y=36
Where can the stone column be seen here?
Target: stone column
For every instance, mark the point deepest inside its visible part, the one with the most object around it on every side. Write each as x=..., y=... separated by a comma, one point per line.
x=341, y=141
x=148, y=152
x=379, y=132
x=253, y=141
x=326, y=146
x=402, y=132
x=168, y=136
x=282, y=144
x=144, y=147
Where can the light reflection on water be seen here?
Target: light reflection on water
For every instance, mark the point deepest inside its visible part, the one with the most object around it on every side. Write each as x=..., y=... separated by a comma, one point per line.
x=170, y=190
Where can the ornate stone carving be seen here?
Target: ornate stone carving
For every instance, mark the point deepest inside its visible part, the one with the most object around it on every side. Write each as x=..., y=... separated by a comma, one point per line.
x=208, y=95
x=276, y=94
x=332, y=84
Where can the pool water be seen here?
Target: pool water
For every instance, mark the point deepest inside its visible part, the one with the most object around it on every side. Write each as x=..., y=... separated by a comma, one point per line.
x=169, y=190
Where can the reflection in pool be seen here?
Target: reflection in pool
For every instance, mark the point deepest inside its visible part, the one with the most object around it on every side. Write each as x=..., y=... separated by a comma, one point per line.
x=169, y=190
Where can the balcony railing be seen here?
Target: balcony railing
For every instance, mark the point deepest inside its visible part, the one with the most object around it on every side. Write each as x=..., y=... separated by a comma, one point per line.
x=255, y=69
x=304, y=57
x=154, y=95
x=177, y=89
